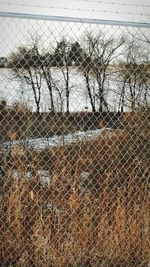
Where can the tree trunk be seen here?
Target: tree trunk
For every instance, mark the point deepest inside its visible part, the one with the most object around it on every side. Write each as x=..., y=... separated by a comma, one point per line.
x=47, y=77
x=89, y=92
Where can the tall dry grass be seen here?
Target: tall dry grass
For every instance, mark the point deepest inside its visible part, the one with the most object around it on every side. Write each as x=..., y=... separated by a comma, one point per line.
x=60, y=225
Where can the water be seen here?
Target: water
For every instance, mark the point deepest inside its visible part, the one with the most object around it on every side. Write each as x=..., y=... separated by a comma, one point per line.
x=13, y=90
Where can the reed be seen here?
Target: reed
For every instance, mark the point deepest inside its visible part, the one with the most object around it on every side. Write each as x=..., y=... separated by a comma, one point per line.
x=60, y=225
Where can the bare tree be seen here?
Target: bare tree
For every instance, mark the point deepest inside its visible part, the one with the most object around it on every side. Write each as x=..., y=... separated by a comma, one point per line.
x=134, y=76
x=46, y=70
x=86, y=67
x=100, y=53
x=24, y=66
x=44, y=62
x=62, y=60
x=141, y=34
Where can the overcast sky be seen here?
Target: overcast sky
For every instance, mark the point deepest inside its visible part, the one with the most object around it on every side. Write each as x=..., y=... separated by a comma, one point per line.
x=15, y=32
x=127, y=10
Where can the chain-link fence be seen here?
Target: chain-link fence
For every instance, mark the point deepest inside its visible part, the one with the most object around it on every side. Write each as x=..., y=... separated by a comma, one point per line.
x=74, y=144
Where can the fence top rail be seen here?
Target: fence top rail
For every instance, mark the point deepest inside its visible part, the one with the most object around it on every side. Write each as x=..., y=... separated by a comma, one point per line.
x=75, y=19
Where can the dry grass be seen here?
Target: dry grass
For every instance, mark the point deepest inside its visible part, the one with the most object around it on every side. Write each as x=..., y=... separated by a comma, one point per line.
x=59, y=225
x=18, y=122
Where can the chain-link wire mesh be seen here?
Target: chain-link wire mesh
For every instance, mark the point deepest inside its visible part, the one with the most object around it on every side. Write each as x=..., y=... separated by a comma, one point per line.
x=74, y=144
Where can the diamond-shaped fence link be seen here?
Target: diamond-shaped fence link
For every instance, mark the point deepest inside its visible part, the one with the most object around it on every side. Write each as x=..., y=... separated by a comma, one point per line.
x=74, y=144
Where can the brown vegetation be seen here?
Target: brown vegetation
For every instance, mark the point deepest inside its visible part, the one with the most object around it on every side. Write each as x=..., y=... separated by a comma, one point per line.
x=59, y=224
x=20, y=120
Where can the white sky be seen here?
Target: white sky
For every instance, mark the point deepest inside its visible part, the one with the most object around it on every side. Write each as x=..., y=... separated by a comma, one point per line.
x=126, y=10
x=15, y=32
